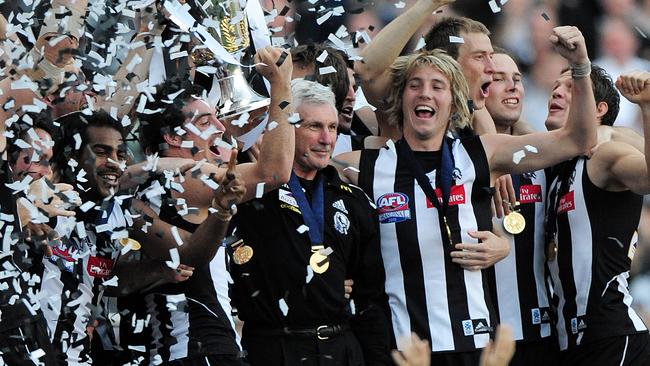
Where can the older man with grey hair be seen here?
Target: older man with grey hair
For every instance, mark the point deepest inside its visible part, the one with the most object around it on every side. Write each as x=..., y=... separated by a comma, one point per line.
x=298, y=244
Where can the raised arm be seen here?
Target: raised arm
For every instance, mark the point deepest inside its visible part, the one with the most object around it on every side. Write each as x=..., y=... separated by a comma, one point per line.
x=386, y=46
x=621, y=166
x=347, y=165
x=273, y=168
x=135, y=273
x=199, y=247
x=519, y=154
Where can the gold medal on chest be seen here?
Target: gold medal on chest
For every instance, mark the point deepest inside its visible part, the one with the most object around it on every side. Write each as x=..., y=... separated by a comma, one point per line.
x=135, y=245
x=514, y=223
x=242, y=254
x=319, y=262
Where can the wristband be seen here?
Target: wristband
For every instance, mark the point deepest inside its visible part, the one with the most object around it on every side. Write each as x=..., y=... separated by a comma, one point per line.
x=222, y=214
x=579, y=71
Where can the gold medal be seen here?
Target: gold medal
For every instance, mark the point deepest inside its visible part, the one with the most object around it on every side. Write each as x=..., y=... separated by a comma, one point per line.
x=242, y=254
x=514, y=223
x=318, y=262
x=135, y=245
x=551, y=250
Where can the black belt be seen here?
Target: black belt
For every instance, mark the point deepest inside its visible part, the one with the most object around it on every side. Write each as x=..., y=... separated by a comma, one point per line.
x=322, y=332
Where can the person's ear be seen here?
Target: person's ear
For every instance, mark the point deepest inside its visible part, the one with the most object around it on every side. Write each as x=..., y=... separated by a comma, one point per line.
x=173, y=140
x=601, y=110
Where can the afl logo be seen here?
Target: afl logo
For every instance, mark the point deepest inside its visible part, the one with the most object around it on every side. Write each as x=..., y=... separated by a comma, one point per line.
x=393, y=207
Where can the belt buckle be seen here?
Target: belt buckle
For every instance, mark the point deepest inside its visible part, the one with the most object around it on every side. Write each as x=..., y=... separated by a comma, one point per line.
x=318, y=334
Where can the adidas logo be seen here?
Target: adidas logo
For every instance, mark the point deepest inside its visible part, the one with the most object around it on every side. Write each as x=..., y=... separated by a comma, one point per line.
x=339, y=205
x=480, y=327
x=545, y=317
x=582, y=325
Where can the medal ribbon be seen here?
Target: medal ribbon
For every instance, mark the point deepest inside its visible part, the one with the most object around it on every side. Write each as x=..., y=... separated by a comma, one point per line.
x=446, y=169
x=556, y=193
x=516, y=184
x=313, y=214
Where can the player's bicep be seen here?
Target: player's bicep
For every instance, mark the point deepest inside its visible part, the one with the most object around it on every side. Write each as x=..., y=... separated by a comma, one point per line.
x=630, y=170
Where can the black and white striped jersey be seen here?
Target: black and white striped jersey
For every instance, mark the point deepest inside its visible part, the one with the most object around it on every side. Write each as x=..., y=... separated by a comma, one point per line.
x=346, y=143
x=428, y=294
x=595, y=231
x=193, y=318
x=73, y=278
x=522, y=294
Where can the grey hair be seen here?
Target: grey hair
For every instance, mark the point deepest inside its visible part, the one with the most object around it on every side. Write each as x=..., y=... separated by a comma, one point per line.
x=311, y=92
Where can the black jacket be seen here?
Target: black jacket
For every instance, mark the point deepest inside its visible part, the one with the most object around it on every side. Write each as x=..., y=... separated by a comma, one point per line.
x=278, y=268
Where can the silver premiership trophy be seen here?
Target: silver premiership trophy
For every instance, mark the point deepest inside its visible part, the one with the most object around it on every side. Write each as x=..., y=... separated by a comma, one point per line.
x=221, y=38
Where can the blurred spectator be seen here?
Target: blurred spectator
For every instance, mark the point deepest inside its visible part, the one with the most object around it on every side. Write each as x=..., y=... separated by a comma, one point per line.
x=618, y=46
x=512, y=33
x=546, y=62
x=582, y=14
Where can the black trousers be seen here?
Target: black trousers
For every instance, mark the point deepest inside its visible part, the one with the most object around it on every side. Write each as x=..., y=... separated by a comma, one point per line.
x=17, y=344
x=341, y=350
x=631, y=350
x=209, y=360
x=539, y=353
x=456, y=358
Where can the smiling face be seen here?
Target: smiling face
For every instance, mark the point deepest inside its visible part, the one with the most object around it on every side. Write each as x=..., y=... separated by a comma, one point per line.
x=205, y=129
x=315, y=138
x=475, y=60
x=426, y=104
x=347, y=110
x=101, y=158
x=560, y=102
x=506, y=97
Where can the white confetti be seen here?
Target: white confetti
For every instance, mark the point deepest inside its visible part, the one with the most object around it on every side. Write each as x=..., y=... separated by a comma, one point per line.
x=342, y=32
x=353, y=309
x=126, y=121
x=321, y=58
x=241, y=121
x=517, y=156
x=294, y=118
x=81, y=230
x=176, y=55
x=138, y=348
x=494, y=6
x=310, y=274
x=272, y=125
x=322, y=19
x=352, y=168
x=391, y=146
x=127, y=248
x=209, y=182
x=284, y=308
x=302, y=229
x=207, y=70
x=177, y=236
x=421, y=43
x=455, y=39
x=77, y=141
x=641, y=32
x=400, y=5
x=326, y=70
x=337, y=42
x=187, y=144
x=259, y=190
x=326, y=251
x=531, y=148
x=111, y=282
x=35, y=355
x=175, y=259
